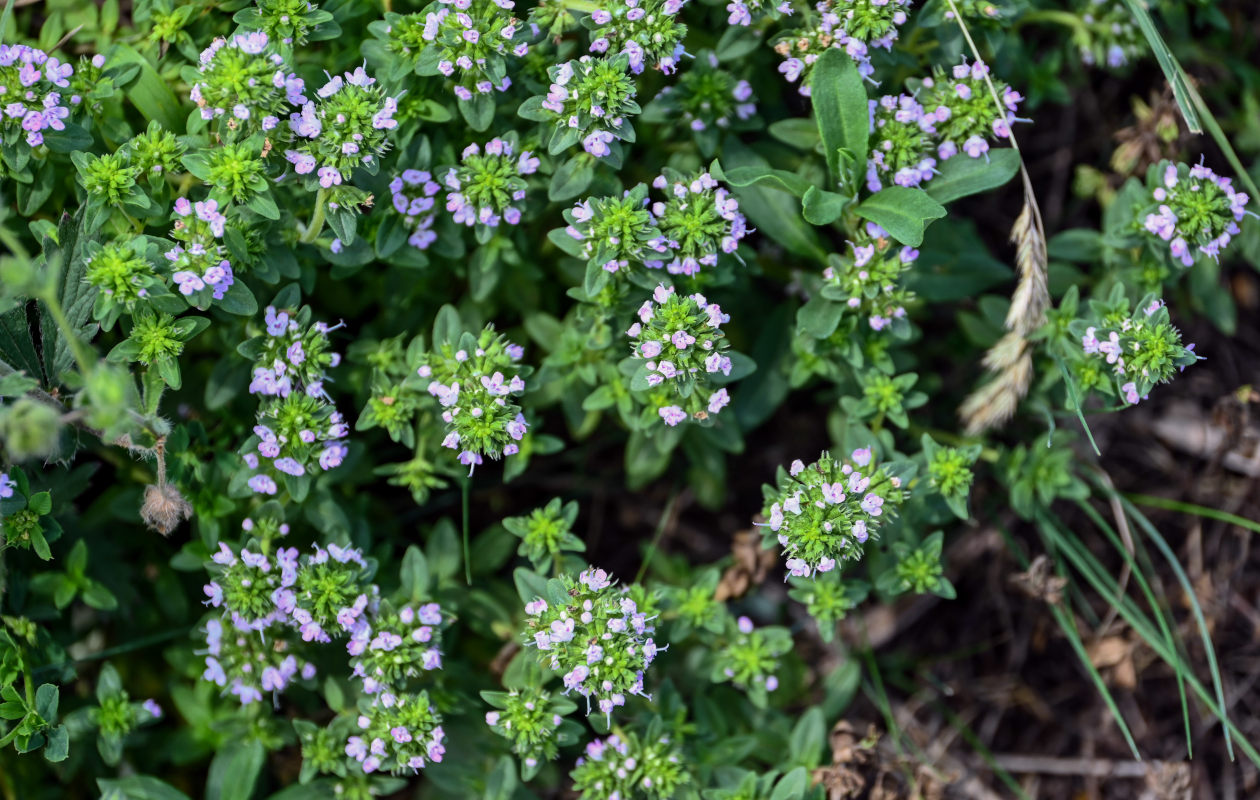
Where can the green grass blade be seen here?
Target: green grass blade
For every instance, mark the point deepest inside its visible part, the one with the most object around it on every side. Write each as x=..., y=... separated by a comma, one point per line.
x=1198, y=511
x=1068, y=624
x=1184, y=580
x=1179, y=666
x=1188, y=98
x=1176, y=76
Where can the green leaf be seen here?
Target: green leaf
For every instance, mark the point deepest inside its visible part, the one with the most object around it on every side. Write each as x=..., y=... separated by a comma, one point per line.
x=57, y=746
x=74, y=293
x=148, y=92
x=138, y=787
x=820, y=207
x=808, y=737
x=765, y=176
x=842, y=111
x=961, y=176
x=17, y=345
x=477, y=111
x=819, y=317
x=234, y=770
x=414, y=575
x=46, y=701
x=792, y=786
x=572, y=178
x=905, y=213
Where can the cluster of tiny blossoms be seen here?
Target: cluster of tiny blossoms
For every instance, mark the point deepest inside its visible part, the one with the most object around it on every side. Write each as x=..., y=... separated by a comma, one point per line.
x=397, y=732
x=391, y=645
x=486, y=187
x=681, y=338
x=628, y=766
x=901, y=144
x=647, y=31
x=413, y=194
x=199, y=263
x=530, y=719
x=590, y=99
x=823, y=514
x=1114, y=39
x=707, y=96
x=750, y=657
x=1198, y=210
x=35, y=93
x=346, y=127
x=594, y=635
x=616, y=232
x=963, y=112
x=854, y=26
x=247, y=664
x=698, y=220
x=869, y=280
x=1126, y=353
x=747, y=12
x=475, y=381
x=243, y=80
x=298, y=426
x=469, y=40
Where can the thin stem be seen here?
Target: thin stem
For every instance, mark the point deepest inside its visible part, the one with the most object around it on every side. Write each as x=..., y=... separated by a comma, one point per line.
x=1169, y=504
x=660, y=531
x=317, y=217
x=67, y=330
x=465, y=484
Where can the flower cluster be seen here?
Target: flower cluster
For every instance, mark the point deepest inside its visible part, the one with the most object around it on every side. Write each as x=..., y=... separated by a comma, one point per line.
x=123, y=275
x=530, y=719
x=699, y=219
x=247, y=664
x=546, y=533
x=962, y=109
x=475, y=380
x=469, y=40
x=707, y=96
x=596, y=636
x=243, y=81
x=828, y=598
x=590, y=100
x=329, y=594
x=750, y=658
x=681, y=339
x=1198, y=211
x=616, y=232
x=487, y=186
x=1126, y=353
x=629, y=766
x=413, y=194
x=250, y=587
x=868, y=281
x=199, y=263
x=397, y=733
x=854, y=26
x=394, y=644
x=901, y=145
x=1114, y=39
x=346, y=127
x=35, y=93
x=823, y=514
x=748, y=12
x=298, y=426
x=288, y=21
x=647, y=31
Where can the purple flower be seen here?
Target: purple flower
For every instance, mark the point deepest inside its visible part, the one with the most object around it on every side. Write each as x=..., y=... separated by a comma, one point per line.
x=672, y=415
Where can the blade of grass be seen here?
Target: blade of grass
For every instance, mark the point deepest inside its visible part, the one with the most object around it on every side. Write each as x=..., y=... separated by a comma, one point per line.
x=1105, y=585
x=1188, y=98
x=1067, y=623
x=1199, y=511
x=656, y=537
x=1184, y=580
x=1179, y=666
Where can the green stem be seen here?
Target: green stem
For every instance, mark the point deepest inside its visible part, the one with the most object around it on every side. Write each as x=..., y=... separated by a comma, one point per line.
x=317, y=217
x=465, y=483
x=67, y=330
x=656, y=537
x=1190, y=508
